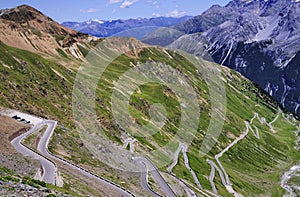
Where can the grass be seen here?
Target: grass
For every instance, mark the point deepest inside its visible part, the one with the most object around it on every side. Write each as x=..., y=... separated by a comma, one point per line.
x=84, y=50
x=36, y=32
x=32, y=83
x=33, y=182
x=61, y=52
x=8, y=175
x=254, y=165
x=59, y=38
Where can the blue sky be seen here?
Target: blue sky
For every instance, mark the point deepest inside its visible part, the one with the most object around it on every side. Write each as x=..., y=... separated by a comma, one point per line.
x=81, y=10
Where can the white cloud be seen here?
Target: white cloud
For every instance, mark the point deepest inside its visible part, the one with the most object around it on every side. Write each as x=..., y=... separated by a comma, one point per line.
x=90, y=10
x=176, y=13
x=128, y=3
x=154, y=3
x=156, y=15
x=114, y=1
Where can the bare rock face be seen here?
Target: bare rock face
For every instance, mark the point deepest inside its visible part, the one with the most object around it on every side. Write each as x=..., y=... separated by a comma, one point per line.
x=258, y=38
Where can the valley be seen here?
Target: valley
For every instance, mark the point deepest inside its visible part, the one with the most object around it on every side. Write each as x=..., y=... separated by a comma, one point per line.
x=117, y=117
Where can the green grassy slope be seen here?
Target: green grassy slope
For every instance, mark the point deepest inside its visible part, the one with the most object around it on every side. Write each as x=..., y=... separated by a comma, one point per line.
x=253, y=165
x=31, y=83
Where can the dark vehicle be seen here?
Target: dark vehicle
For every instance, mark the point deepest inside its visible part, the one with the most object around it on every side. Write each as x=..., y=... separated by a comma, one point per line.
x=16, y=117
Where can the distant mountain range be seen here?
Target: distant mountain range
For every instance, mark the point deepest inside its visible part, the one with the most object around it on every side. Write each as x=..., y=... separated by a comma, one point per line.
x=258, y=38
x=131, y=27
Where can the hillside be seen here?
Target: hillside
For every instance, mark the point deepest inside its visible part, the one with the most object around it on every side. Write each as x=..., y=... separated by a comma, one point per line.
x=26, y=28
x=51, y=97
x=256, y=145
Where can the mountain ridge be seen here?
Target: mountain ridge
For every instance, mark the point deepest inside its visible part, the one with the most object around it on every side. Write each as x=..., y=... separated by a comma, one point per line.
x=257, y=38
x=26, y=28
x=107, y=28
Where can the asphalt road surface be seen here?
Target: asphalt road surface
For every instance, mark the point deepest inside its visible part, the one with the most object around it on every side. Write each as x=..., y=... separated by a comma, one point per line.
x=149, y=167
x=49, y=168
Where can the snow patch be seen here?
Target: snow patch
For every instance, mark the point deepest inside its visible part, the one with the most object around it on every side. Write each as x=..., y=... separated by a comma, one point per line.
x=98, y=21
x=229, y=51
x=75, y=51
x=297, y=107
x=265, y=33
x=240, y=63
x=287, y=62
x=285, y=92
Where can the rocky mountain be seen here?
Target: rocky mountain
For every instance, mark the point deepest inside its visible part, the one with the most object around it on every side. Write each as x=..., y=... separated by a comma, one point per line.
x=258, y=38
x=26, y=28
x=125, y=28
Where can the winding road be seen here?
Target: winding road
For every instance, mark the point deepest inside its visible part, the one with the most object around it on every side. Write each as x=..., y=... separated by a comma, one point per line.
x=228, y=184
x=49, y=174
x=212, y=175
x=187, y=189
x=149, y=167
x=184, y=148
x=294, y=171
x=49, y=168
x=222, y=172
x=129, y=142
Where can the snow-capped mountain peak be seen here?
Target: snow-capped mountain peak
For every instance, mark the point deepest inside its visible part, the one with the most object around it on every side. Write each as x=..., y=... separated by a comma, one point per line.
x=98, y=21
